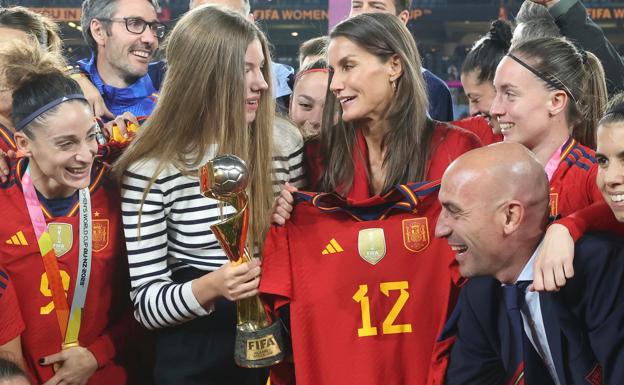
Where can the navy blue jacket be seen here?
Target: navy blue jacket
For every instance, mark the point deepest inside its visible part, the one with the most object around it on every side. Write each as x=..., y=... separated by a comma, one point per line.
x=440, y=101
x=584, y=323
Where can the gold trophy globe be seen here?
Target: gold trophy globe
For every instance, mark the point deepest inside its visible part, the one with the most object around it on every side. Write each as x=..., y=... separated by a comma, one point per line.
x=259, y=341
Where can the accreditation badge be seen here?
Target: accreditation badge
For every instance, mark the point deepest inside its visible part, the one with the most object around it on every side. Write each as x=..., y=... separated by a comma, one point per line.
x=415, y=234
x=62, y=235
x=372, y=245
x=100, y=234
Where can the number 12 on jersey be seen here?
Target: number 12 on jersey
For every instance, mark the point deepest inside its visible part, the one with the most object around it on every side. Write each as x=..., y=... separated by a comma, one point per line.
x=388, y=326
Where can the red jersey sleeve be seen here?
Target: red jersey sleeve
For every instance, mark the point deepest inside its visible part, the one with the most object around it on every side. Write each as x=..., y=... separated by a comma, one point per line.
x=11, y=322
x=7, y=142
x=447, y=144
x=597, y=217
x=110, y=344
x=276, y=277
x=480, y=127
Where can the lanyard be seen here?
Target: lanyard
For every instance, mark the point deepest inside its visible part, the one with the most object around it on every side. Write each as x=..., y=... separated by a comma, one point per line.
x=68, y=319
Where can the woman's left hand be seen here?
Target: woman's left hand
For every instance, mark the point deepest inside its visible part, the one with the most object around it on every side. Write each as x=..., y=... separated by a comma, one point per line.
x=76, y=365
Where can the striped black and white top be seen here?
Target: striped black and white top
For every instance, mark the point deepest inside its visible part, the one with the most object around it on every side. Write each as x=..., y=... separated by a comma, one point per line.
x=174, y=228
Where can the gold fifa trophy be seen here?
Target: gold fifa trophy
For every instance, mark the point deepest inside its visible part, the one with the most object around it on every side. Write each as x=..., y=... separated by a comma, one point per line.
x=259, y=341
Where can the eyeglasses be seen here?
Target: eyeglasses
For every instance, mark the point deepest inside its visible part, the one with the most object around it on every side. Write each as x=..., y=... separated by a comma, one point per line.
x=137, y=25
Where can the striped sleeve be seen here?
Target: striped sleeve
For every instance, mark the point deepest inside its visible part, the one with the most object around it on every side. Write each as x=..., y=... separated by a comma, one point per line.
x=288, y=156
x=158, y=301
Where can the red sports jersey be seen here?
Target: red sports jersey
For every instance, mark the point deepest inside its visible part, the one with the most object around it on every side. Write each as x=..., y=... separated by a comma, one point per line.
x=106, y=317
x=369, y=287
x=480, y=127
x=597, y=217
x=11, y=323
x=6, y=139
x=573, y=185
x=447, y=143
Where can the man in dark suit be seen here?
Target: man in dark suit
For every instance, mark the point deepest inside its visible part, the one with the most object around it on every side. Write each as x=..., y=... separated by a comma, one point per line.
x=495, y=208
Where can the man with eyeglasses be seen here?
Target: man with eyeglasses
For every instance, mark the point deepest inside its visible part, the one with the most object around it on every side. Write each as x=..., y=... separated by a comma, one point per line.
x=123, y=36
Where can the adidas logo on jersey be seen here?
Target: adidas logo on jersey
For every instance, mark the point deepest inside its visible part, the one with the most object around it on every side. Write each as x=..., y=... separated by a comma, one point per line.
x=332, y=247
x=17, y=240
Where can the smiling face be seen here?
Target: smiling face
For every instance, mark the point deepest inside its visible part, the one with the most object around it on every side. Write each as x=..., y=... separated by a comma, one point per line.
x=610, y=156
x=254, y=79
x=469, y=224
x=61, y=153
x=480, y=96
x=361, y=82
x=123, y=56
x=521, y=105
x=308, y=99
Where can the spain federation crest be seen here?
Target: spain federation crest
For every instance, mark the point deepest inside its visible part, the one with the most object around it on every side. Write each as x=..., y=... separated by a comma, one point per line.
x=62, y=236
x=100, y=234
x=416, y=234
x=372, y=245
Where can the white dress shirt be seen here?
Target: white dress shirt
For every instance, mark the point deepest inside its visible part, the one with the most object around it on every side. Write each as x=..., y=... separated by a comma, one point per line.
x=533, y=321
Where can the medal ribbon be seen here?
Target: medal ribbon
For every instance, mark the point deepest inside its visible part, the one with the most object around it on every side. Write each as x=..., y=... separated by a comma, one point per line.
x=69, y=327
x=83, y=272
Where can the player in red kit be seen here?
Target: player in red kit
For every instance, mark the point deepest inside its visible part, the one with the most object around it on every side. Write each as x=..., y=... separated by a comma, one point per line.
x=549, y=96
x=554, y=265
x=11, y=321
x=477, y=76
x=62, y=245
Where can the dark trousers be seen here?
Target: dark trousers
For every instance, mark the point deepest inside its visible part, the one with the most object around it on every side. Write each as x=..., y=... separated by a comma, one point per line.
x=201, y=351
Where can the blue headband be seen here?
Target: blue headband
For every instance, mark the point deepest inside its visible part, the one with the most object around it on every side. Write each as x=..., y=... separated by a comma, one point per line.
x=550, y=79
x=26, y=121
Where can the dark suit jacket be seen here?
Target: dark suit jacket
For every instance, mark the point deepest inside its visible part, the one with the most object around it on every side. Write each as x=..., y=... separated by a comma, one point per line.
x=576, y=25
x=584, y=323
x=440, y=100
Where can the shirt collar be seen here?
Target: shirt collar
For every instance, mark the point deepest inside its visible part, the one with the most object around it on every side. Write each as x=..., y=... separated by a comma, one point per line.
x=527, y=272
x=140, y=89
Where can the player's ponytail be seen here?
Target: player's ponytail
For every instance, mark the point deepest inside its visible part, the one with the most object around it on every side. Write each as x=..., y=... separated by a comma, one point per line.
x=488, y=51
x=36, y=78
x=578, y=73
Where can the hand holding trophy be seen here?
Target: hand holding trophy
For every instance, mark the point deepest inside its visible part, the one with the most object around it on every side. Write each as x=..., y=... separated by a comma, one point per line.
x=259, y=342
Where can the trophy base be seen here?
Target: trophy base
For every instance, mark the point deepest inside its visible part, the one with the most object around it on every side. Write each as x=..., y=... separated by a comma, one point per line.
x=259, y=348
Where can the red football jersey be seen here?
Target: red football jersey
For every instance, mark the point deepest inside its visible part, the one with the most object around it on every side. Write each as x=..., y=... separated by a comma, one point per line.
x=369, y=287
x=597, y=217
x=11, y=323
x=6, y=139
x=106, y=316
x=573, y=185
x=480, y=127
x=447, y=144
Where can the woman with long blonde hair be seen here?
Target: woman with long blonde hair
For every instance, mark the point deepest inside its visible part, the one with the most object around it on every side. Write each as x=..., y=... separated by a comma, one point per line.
x=216, y=99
